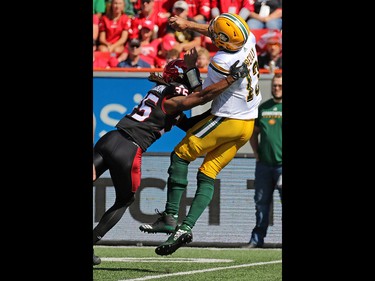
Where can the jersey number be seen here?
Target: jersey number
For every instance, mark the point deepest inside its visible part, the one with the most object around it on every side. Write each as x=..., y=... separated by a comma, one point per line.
x=252, y=91
x=143, y=111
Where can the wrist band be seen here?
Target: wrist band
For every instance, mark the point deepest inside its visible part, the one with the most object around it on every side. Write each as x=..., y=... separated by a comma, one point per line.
x=193, y=76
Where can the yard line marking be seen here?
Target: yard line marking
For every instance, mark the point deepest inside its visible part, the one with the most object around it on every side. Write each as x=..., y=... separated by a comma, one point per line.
x=200, y=271
x=199, y=260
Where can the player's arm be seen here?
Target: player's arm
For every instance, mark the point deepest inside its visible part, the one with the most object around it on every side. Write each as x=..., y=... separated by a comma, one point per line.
x=181, y=103
x=185, y=123
x=181, y=24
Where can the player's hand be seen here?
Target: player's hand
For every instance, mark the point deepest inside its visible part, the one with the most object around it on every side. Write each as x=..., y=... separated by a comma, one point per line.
x=178, y=23
x=190, y=57
x=238, y=72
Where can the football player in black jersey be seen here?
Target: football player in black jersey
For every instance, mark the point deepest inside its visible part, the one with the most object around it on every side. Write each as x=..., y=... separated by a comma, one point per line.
x=120, y=150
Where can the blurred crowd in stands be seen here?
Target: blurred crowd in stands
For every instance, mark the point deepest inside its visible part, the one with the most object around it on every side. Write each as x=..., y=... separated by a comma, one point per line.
x=136, y=34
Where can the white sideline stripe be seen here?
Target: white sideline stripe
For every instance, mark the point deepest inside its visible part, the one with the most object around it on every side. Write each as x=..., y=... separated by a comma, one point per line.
x=199, y=260
x=200, y=271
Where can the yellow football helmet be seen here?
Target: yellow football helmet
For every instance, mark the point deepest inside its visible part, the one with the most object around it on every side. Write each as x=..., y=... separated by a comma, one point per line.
x=228, y=31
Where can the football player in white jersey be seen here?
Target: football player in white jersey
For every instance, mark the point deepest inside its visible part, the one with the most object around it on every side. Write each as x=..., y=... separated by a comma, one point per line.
x=223, y=131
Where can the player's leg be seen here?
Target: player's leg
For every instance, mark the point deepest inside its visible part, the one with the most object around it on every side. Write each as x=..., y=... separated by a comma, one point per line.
x=124, y=159
x=176, y=183
x=216, y=159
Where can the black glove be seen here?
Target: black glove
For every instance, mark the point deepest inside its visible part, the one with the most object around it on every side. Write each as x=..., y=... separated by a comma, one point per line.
x=238, y=72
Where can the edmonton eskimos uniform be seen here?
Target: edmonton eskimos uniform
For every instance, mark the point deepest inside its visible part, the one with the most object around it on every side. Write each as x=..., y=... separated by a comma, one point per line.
x=231, y=122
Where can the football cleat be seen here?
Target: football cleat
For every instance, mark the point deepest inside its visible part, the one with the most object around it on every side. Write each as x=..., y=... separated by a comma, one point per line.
x=180, y=237
x=164, y=224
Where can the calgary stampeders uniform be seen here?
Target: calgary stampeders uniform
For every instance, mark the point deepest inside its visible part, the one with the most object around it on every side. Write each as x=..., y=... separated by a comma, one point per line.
x=148, y=121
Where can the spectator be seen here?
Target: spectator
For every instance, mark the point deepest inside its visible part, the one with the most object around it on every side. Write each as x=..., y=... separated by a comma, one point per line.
x=146, y=13
x=161, y=7
x=164, y=45
x=157, y=11
x=231, y=6
x=266, y=14
x=114, y=29
x=134, y=59
x=187, y=39
x=148, y=50
x=271, y=57
x=103, y=60
x=98, y=7
x=172, y=55
x=204, y=58
x=266, y=143
x=199, y=10
x=128, y=7
x=95, y=30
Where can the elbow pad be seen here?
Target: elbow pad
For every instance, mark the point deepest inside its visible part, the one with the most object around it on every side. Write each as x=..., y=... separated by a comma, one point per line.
x=194, y=77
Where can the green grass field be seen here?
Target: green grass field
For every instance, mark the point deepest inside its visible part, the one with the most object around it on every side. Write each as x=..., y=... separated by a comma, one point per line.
x=188, y=264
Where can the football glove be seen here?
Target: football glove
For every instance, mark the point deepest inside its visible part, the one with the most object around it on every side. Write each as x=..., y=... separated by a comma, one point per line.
x=238, y=72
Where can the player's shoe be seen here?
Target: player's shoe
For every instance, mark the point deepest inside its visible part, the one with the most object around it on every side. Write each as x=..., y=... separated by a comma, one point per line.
x=96, y=260
x=180, y=237
x=164, y=224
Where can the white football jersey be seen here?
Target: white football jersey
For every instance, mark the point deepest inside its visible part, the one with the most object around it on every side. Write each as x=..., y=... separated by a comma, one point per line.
x=241, y=99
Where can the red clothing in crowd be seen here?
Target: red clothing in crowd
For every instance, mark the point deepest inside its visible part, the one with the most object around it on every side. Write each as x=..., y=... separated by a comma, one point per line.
x=148, y=53
x=139, y=19
x=232, y=6
x=104, y=60
x=113, y=29
x=160, y=6
x=196, y=7
x=163, y=45
x=95, y=19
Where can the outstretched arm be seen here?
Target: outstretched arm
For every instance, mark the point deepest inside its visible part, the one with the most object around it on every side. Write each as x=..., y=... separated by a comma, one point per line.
x=181, y=103
x=181, y=24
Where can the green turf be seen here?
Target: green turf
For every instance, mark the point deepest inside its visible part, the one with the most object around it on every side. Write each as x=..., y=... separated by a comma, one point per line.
x=161, y=265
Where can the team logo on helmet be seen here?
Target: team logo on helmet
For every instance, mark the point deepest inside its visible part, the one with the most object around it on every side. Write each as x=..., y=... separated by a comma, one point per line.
x=179, y=70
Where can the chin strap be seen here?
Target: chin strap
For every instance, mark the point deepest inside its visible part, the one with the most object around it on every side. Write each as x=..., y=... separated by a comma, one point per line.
x=194, y=77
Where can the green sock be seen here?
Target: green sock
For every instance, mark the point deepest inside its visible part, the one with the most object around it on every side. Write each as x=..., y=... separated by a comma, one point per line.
x=202, y=199
x=177, y=183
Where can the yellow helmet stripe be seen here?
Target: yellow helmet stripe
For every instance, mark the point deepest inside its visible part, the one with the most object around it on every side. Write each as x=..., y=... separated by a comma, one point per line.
x=237, y=22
